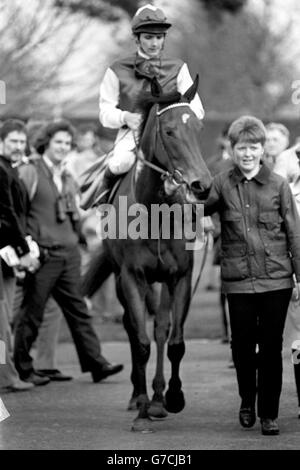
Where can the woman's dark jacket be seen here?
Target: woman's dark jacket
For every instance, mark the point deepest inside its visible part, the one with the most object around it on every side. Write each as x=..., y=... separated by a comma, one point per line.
x=260, y=231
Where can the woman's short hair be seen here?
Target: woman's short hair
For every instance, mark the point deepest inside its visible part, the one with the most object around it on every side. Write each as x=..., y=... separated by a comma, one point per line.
x=248, y=129
x=47, y=132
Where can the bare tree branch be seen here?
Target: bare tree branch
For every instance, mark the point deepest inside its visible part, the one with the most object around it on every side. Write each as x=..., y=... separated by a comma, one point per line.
x=36, y=43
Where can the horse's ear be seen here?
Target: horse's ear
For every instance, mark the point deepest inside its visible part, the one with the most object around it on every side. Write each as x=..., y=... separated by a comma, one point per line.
x=190, y=93
x=156, y=89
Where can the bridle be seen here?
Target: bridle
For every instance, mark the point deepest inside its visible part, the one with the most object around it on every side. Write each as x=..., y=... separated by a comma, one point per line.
x=175, y=176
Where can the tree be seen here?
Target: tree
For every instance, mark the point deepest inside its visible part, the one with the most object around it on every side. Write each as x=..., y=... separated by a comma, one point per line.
x=241, y=59
x=220, y=6
x=104, y=9
x=108, y=8
x=36, y=40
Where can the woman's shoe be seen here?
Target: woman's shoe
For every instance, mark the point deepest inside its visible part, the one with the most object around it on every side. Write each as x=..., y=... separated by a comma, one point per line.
x=247, y=417
x=269, y=427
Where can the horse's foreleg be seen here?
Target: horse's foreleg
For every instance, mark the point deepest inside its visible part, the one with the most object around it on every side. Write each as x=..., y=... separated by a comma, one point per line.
x=132, y=405
x=135, y=306
x=176, y=348
x=133, y=402
x=161, y=331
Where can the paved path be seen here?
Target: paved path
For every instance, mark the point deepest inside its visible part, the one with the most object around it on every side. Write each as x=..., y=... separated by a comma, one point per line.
x=83, y=415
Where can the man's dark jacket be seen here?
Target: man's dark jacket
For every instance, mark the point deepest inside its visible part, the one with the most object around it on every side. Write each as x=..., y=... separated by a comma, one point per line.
x=13, y=208
x=42, y=215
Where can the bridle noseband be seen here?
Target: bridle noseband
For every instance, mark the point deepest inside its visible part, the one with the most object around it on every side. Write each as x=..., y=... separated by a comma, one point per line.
x=175, y=176
x=172, y=106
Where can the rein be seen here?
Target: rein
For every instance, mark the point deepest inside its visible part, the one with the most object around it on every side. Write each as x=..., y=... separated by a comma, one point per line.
x=176, y=175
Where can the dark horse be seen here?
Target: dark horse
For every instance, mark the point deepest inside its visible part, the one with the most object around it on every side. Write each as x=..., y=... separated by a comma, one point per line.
x=173, y=172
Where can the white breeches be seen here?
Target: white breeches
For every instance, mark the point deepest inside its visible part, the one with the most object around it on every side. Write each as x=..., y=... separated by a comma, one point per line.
x=123, y=156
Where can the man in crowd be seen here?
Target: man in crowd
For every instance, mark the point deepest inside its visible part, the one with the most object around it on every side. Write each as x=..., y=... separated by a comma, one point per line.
x=87, y=151
x=278, y=137
x=52, y=222
x=15, y=250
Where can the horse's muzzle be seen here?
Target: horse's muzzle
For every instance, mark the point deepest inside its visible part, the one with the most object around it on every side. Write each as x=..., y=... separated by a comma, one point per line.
x=199, y=190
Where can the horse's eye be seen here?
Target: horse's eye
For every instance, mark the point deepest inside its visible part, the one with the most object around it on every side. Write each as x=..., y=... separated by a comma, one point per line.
x=169, y=133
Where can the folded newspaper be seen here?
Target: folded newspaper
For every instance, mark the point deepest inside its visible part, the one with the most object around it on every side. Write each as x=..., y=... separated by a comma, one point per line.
x=3, y=411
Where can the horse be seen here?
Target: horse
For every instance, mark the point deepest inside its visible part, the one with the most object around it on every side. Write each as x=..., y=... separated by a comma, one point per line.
x=173, y=171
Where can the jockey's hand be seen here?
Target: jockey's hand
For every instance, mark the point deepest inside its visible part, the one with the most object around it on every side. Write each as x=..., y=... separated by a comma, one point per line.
x=296, y=292
x=132, y=120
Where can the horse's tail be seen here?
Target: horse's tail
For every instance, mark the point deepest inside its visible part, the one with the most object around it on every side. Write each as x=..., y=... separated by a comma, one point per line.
x=98, y=271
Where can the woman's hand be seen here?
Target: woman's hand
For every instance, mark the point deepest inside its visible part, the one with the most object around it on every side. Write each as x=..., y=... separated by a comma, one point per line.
x=296, y=292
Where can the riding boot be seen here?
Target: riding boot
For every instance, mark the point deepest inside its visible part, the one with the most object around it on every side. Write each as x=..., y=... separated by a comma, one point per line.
x=109, y=179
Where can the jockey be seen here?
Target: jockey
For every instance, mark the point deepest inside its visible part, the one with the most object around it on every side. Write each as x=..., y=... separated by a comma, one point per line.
x=124, y=80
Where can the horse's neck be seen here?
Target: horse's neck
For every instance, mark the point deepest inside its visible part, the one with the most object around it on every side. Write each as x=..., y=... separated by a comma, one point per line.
x=149, y=182
x=147, y=186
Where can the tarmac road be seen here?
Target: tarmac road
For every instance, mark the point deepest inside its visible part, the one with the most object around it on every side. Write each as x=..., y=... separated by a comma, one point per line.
x=83, y=415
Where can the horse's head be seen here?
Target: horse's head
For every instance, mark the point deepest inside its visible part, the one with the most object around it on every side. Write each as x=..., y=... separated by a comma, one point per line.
x=170, y=138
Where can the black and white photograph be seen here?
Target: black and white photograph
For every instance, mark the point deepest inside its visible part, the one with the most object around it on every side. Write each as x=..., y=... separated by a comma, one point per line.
x=149, y=228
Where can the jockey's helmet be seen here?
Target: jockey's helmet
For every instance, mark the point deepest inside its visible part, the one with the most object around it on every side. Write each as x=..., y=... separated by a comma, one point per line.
x=149, y=19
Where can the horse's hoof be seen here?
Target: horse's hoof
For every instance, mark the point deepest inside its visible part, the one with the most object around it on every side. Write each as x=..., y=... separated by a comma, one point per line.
x=142, y=425
x=157, y=410
x=133, y=404
x=175, y=401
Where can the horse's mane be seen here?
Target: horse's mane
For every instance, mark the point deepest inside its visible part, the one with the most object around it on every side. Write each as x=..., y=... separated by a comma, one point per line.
x=146, y=100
